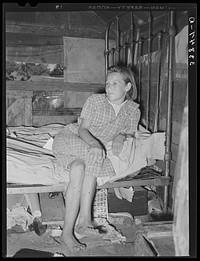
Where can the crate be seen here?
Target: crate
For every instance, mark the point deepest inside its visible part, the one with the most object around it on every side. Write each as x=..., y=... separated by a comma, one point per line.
x=138, y=206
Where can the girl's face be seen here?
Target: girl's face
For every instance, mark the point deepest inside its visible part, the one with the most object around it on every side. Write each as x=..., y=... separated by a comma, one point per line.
x=116, y=88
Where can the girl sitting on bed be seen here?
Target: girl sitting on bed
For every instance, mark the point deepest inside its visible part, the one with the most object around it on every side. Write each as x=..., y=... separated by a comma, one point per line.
x=80, y=148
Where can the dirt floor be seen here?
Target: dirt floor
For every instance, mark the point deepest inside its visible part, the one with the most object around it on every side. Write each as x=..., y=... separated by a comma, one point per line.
x=53, y=210
x=17, y=241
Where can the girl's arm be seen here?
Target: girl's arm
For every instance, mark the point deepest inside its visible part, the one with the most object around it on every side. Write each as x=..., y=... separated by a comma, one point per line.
x=96, y=152
x=132, y=126
x=86, y=135
x=118, y=141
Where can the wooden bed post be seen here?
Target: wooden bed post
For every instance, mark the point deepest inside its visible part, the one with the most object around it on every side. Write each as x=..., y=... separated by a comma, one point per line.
x=106, y=52
x=118, y=41
x=149, y=71
x=169, y=108
x=158, y=83
x=139, y=68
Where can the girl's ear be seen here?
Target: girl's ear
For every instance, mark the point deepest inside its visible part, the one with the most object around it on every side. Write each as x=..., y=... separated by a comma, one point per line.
x=128, y=86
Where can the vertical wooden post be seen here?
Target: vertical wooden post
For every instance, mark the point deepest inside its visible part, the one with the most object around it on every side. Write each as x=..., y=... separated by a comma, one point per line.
x=124, y=47
x=118, y=41
x=149, y=72
x=106, y=51
x=132, y=37
x=158, y=84
x=113, y=56
x=169, y=108
x=139, y=69
x=181, y=222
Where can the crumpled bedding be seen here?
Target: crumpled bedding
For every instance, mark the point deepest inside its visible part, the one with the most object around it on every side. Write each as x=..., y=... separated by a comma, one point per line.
x=136, y=154
x=36, y=135
x=31, y=161
x=28, y=163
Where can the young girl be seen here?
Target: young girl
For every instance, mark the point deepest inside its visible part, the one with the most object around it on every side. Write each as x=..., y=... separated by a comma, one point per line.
x=81, y=148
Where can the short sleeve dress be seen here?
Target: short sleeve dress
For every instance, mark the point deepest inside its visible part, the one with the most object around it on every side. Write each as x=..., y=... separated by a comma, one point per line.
x=105, y=126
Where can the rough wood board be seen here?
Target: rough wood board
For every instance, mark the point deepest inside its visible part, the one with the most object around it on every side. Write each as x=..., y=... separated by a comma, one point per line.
x=75, y=99
x=14, y=109
x=49, y=30
x=52, y=209
x=174, y=150
x=181, y=192
x=141, y=247
x=164, y=246
x=59, y=85
x=43, y=120
x=28, y=121
x=18, y=94
x=82, y=57
x=158, y=230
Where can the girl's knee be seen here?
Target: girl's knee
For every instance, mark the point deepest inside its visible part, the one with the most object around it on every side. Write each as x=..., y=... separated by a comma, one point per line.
x=77, y=167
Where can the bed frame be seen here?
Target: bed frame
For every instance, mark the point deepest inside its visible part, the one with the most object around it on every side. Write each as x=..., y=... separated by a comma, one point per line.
x=151, y=181
x=155, y=181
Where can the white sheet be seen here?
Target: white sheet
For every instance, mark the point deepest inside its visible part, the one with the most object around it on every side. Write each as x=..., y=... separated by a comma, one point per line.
x=135, y=155
x=31, y=164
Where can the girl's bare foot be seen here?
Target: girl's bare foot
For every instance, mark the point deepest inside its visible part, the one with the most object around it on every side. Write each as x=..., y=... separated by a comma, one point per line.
x=71, y=242
x=88, y=230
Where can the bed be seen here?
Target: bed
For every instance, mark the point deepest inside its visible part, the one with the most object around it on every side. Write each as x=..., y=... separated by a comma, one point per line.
x=30, y=161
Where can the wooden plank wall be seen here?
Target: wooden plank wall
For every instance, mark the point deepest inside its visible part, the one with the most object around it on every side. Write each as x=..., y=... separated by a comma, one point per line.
x=21, y=92
x=181, y=192
x=19, y=108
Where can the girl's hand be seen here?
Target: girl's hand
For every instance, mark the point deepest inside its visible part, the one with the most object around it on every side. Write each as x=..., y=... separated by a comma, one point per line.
x=143, y=135
x=118, y=144
x=96, y=154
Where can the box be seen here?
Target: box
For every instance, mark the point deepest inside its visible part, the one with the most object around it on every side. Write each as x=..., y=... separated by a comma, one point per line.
x=138, y=206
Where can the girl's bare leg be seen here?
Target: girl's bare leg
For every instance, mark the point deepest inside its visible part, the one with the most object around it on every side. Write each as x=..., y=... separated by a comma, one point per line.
x=72, y=204
x=87, y=195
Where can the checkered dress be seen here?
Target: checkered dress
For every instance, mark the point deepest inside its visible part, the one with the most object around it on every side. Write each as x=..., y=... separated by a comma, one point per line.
x=105, y=126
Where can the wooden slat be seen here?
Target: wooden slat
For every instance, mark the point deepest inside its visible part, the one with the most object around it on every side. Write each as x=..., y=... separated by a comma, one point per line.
x=18, y=94
x=158, y=230
x=44, y=120
x=76, y=99
x=161, y=181
x=36, y=188
x=30, y=28
x=157, y=235
x=141, y=247
x=14, y=109
x=59, y=85
x=28, y=118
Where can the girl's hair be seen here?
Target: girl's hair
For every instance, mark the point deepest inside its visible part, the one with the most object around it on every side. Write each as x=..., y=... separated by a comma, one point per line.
x=128, y=76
